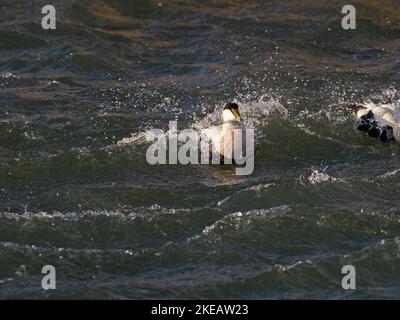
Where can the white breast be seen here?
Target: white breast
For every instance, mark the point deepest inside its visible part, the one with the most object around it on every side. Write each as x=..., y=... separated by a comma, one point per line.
x=222, y=138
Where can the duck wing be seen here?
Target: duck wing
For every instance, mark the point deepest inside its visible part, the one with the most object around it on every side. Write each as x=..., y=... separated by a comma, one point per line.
x=377, y=123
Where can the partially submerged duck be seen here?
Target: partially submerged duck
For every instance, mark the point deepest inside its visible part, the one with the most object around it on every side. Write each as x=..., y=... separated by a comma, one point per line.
x=378, y=121
x=222, y=137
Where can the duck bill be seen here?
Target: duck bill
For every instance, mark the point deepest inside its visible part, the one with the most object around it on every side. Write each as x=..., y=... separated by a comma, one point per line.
x=236, y=114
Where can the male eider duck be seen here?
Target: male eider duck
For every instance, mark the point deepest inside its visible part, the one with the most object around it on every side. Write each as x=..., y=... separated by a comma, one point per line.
x=382, y=122
x=222, y=136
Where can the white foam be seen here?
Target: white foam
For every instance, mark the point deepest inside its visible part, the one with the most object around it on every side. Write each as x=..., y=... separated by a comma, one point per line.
x=389, y=174
x=139, y=138
x=320, y=176
x=254, y=112
x=138, y=212
x=62, y=250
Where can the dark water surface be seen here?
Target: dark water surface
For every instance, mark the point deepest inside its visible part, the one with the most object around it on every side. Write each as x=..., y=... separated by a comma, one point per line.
x=76, y=191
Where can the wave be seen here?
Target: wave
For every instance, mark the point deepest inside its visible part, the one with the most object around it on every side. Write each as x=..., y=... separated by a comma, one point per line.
x=255, y=113
x=150, y=212
x=64, y=250
x=389, y=174
x=237, y=218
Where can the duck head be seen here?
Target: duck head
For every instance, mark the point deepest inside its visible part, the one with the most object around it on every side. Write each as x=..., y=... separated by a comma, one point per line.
x=231, y=113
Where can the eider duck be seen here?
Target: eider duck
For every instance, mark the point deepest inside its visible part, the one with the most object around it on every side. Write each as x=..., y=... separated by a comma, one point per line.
x=381, y=122
x=222, y=137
